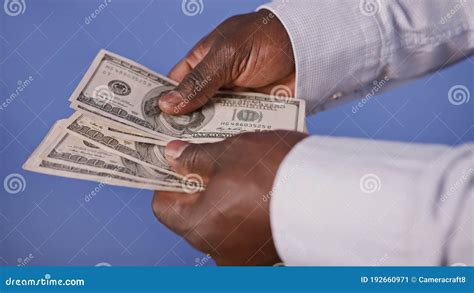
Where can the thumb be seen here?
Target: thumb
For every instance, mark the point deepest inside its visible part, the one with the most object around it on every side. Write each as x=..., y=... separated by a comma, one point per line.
x=197, y=87
x=186, y=158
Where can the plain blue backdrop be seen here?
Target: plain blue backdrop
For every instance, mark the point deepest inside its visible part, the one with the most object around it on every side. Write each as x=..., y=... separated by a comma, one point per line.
x=51, y=223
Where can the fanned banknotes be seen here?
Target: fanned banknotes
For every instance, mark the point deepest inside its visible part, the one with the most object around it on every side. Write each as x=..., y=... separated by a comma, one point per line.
x=124, y=91
x=118, y=134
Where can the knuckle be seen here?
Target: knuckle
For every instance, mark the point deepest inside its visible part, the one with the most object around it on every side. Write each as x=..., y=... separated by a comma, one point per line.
x=191, y=158
x=227, y=50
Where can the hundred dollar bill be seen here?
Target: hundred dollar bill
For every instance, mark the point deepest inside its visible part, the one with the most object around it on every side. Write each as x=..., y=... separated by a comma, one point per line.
x=95, y=130
x=38, y=163
x=122, y=130
x=125, y=91
x=46, y=167
x=67, y=149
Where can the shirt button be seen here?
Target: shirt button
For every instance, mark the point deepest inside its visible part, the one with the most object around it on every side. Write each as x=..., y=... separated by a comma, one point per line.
x=336, y=96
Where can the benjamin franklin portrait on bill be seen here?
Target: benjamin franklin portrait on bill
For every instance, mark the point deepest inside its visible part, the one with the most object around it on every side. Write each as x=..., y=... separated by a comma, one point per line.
x=144, y=172
x=153, y=154
x=175, y=126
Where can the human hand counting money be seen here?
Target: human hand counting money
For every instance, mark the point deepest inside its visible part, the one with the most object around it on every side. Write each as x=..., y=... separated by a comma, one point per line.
x=322, y=216
x=230, y=220
x=235, y=176
x=249, y=52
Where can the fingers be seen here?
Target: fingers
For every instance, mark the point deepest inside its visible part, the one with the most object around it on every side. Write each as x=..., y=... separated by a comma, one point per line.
x=186, y=158
x=180, y=70
x=173, y=209
x=197, y=86
x=197, y=53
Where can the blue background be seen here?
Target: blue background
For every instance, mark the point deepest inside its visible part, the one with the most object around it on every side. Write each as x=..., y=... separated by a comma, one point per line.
x=51, y=220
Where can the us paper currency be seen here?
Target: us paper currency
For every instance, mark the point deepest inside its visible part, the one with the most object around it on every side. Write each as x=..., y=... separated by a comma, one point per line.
x=66, y=149
x=96, y=131
x=125, y=91
x=118, y=134
x=49, y=158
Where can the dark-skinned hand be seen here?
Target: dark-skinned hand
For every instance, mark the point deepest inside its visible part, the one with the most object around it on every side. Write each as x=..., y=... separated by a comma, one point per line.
x=249, y=52
x=230, y=219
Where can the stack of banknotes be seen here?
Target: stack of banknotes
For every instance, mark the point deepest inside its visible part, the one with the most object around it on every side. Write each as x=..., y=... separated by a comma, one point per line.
x=117, y=135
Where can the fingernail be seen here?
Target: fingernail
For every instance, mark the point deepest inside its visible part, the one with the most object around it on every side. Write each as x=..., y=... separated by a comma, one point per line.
x=175, y=148
x=171, y=99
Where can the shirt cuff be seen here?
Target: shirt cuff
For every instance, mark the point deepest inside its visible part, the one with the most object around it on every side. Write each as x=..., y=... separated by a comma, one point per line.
x=344, y=201
x=337, y=49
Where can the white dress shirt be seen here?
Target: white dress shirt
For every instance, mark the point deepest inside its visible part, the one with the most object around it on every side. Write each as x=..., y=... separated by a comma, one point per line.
x=343, y=201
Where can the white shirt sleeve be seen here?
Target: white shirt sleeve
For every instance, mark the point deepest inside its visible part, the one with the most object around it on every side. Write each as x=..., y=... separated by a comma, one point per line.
x=348, y=49
x=343, y=201
x=340, y=201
